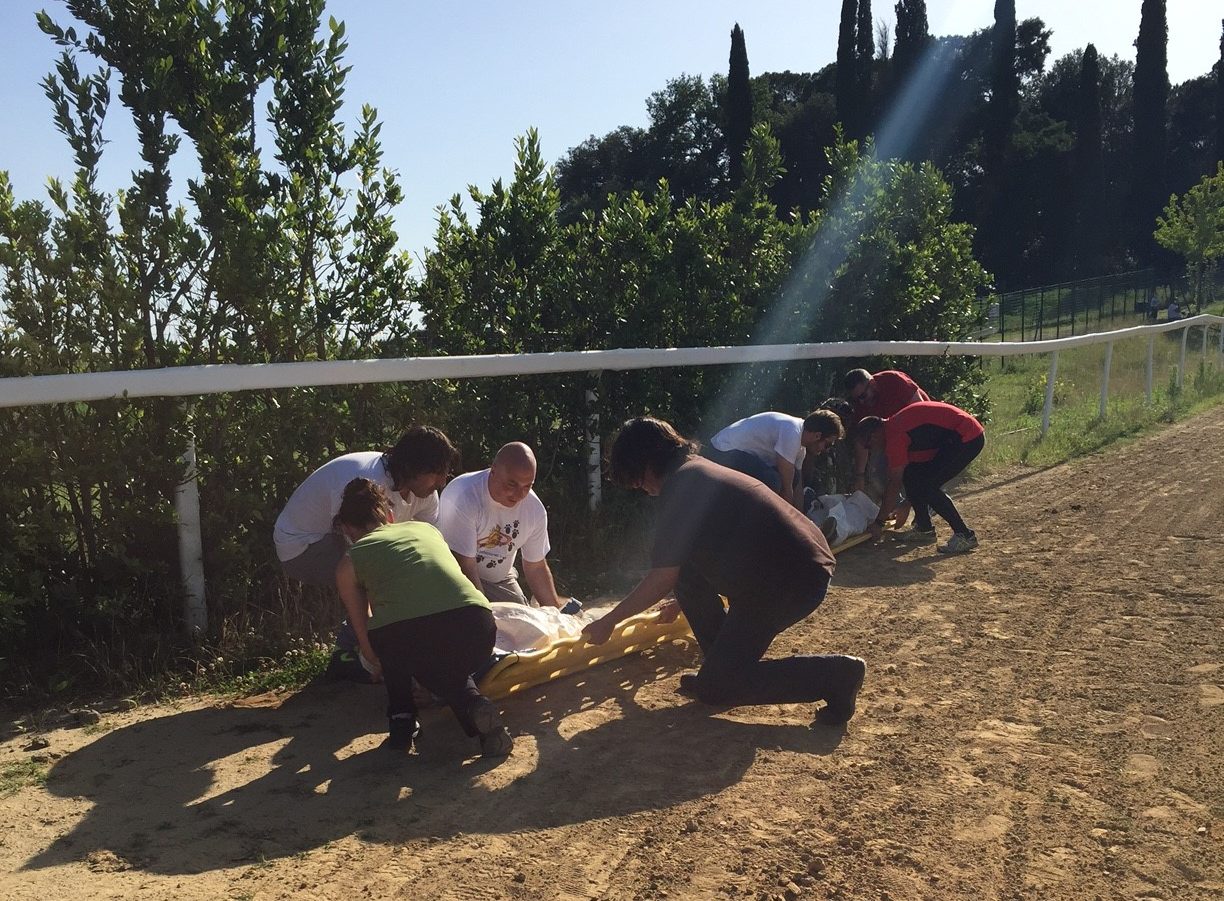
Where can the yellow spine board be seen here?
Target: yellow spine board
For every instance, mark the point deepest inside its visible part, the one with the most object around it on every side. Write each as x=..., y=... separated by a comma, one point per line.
x=527, y=669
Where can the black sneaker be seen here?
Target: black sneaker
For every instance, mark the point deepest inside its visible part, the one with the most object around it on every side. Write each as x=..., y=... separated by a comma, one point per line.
x=401, y=733
x=915, y=535
x=843, y=692
x=688, y=685
x=495, y=738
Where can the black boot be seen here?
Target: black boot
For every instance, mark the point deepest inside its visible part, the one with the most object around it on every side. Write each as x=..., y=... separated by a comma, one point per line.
x=401, y=733
x=846, y=676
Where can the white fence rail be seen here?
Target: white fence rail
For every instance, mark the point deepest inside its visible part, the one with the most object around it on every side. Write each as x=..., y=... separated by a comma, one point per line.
x=200, y=380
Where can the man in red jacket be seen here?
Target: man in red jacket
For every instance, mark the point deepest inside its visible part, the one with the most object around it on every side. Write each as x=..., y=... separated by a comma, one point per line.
x=883, y=394
x=925, y=444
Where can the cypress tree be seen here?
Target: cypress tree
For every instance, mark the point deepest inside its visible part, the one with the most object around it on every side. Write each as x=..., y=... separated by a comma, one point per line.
x=1151, y=95
x=994, y=241
x=1220, y=98
x=846, y=82
x=1004, y=83
x=912, y=36
x=864, y=52
x=739, y=106
x=1089, y=167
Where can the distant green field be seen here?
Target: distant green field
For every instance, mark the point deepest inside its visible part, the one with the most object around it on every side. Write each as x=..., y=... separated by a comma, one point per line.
x=1016, y=387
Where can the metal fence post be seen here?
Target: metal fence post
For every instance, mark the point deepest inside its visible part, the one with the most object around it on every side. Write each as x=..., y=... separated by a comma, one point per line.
x=1049, y=396
x=1105, y=379
x=594, y=450
x=191, y=544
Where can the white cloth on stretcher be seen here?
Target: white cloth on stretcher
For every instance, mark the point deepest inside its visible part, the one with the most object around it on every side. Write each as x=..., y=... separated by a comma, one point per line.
x=842, y=516
x=523, y=628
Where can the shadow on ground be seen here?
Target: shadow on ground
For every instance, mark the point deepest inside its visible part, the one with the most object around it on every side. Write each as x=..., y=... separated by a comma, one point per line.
x=220, y=787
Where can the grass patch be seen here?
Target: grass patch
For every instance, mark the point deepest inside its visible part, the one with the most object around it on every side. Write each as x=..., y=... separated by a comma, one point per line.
x=15, y=776
x=1016, y=387
x=243, y=675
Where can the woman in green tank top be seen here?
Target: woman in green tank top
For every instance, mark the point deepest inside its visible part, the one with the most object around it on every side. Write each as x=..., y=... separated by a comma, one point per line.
x=416, y=615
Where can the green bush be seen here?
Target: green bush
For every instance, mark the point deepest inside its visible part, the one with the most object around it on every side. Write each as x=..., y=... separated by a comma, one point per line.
x=1034, y=396
x=296, y=260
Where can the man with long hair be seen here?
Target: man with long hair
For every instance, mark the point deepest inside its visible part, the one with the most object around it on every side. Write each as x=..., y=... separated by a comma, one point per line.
x=721, y=532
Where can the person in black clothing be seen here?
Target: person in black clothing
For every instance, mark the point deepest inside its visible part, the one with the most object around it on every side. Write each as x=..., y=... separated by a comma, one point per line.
x=721, y=532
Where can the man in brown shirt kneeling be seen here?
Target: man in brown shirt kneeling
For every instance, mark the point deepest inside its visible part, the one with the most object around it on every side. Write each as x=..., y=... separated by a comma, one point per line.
x=724, y=533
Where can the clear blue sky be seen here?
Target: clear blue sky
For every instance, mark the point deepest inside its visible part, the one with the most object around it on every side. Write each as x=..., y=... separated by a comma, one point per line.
x=456, y=82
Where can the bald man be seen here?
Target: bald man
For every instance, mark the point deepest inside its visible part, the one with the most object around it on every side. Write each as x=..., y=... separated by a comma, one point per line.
x=489, y=517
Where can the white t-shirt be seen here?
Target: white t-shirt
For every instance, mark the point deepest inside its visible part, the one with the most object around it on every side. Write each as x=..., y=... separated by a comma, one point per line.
x=475, y=525
x=308, y=515
x=766, y=436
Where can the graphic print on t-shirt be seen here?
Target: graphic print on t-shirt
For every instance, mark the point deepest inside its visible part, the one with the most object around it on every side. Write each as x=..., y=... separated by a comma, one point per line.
x=497, y=545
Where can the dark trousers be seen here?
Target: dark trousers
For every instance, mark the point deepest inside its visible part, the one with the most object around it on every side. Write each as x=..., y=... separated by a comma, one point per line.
x=735, y=639
x=441, y=651
x=924, y=483
x=748, y=464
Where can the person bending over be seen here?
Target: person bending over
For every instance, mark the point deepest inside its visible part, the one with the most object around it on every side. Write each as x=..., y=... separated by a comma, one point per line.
x=412, y=473
x=722, y=532
x=489, y=516
x=771, y=447
x=416, y=615
x=882, y=394
x=926, y=444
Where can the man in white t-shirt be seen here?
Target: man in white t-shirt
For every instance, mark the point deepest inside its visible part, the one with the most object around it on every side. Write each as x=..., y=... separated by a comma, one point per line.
x=412, y=472
x=771, y=447
x=489, y=517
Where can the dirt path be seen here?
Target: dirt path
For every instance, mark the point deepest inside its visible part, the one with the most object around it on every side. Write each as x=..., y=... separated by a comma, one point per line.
x=1042, y=719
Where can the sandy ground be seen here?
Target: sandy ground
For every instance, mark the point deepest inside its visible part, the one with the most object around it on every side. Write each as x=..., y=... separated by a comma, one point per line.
x=1042, y=719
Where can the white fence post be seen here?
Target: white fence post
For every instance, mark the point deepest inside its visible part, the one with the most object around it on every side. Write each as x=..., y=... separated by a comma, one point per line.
x=1147, y=376
x=1049, y=398
x=191, y=544
x=1105, y=379
x=594, y=451
x=1181, y=362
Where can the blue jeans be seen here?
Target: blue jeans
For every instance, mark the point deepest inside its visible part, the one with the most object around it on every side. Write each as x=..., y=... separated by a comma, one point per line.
x=735, y=638
x=748, y=464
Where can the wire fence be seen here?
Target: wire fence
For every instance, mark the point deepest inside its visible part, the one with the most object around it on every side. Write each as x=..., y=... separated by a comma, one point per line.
x=1087, y=305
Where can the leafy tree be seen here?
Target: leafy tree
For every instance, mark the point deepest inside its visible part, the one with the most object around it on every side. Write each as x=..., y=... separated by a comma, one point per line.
x=615, y=163
x=1191, y=127
x=683, y=144
x=1193, y=227
x=295, y=259
x=1151, y=123
x=803, y=121
x=738, y=106
x=884, y=259
x=1060, y=94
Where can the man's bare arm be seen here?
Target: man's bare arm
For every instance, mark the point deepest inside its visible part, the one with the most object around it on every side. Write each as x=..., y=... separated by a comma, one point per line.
x=540, y=580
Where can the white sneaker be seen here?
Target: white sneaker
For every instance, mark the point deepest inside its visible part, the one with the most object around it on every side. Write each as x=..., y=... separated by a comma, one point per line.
x=959, y=543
